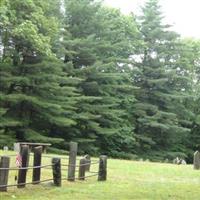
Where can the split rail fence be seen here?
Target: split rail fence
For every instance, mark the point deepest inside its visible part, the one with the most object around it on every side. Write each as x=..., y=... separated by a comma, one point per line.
x=83, y=168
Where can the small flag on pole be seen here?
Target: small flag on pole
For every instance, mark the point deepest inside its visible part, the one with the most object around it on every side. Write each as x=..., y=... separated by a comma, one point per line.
x=18, y=160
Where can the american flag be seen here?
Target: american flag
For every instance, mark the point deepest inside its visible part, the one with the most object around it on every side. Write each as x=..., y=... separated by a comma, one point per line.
x=18, y=160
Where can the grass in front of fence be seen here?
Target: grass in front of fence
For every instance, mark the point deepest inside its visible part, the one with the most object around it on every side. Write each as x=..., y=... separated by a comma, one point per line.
x=127, y=180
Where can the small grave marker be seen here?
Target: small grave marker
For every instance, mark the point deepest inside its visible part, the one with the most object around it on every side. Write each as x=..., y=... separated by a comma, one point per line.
x=16, y=147
x=5, y=148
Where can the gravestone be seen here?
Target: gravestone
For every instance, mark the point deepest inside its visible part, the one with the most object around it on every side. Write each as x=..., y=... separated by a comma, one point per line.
x=17, y=147
x=183, y=162
x=176, y=160
x=5, y=148
x=197, y=160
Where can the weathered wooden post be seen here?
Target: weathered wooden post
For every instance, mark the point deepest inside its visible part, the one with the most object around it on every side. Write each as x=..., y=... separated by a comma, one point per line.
x=22, y=172
x=37, y=162
x=82, y=169
x=4, y=163
x=88, y=162
x=56, y=167
x=196, y=160
x=102, y=174
x=72, y=161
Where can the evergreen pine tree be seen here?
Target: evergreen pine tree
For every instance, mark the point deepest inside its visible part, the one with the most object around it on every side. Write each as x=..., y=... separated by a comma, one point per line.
x=189, y=60
x=37, y=93
x=98, y=45
x=37, y=101
x=158, y=129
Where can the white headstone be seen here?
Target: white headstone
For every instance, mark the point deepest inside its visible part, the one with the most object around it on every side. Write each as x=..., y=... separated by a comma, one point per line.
x=176, y=160
x=183, y=162
x=5, y=148
x=16, y=147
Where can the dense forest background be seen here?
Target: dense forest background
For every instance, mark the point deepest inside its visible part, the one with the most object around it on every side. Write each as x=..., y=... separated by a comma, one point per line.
x=123, y=85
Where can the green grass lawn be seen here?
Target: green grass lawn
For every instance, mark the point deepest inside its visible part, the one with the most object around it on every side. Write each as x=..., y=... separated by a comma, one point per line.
x=126, y=180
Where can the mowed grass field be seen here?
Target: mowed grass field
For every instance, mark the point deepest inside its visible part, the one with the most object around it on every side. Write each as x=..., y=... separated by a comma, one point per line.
x=126, y=180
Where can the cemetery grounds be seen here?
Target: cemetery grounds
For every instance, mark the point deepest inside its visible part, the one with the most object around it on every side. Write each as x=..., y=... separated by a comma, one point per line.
x=127, y=180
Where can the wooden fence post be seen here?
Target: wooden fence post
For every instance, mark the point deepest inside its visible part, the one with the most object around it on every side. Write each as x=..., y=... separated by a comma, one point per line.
x=22, y=172
x=102, y=174
x=88, y=162
x=37, y=162
x=72, y=161
x=56, y=167
x=82, y=169
x=196, y=160
x=4, y=163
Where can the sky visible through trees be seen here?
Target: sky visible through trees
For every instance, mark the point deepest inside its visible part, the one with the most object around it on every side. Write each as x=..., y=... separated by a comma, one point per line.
x=183, y=15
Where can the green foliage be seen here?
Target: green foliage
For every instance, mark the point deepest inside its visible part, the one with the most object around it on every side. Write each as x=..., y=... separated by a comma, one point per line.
x=161, y=114
x=98, y=43
x=57, y=151
x=6, y=139
x=34, y=101
x=84, y=72
x=29, y=28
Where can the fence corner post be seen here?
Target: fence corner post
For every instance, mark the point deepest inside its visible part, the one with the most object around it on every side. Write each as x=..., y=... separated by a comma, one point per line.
x=196, y=161
x=102, y=174
x=72, y=161
x=82, y=169
x=4, y=163
x=88, y=162
x=36, y=163
x=56, y=167
x=23, y=172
